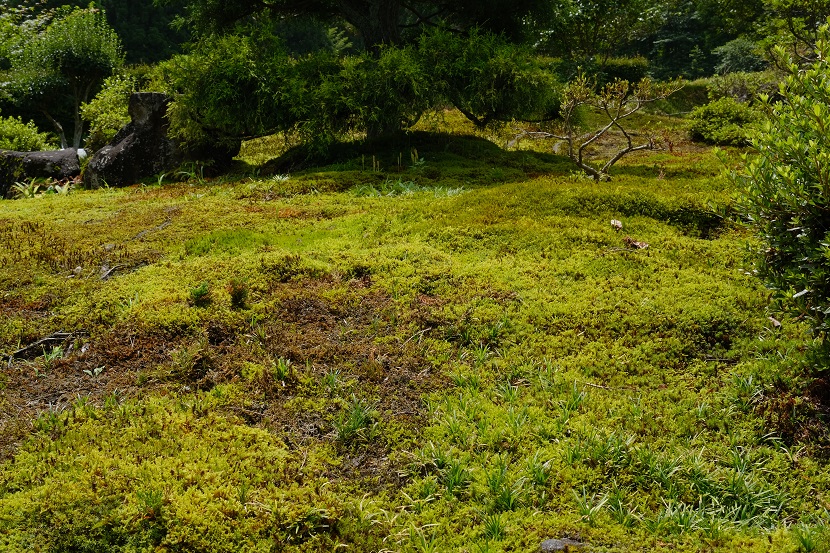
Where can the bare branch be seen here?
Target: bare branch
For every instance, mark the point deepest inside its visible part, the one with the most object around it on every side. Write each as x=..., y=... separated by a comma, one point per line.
x=617, y=100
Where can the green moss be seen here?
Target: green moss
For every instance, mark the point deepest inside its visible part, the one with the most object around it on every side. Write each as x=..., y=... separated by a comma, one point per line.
x=483, y=369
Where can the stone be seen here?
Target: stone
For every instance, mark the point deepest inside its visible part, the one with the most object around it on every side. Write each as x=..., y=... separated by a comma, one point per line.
x=141, y=149
x=564, y=544
x=23, y=166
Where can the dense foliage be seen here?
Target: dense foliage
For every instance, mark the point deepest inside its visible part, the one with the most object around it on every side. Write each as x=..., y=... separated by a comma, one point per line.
x=145, y=28
x=788, y=191
x=58, y=69
x=724, y=121
x=20, y=136
x=241, y=86
x=107, y=113
x=377, y=22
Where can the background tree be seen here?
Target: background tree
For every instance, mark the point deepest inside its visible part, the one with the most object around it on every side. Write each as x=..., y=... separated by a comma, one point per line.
x=245, y=85
x=795, y=24
x=691, y=31
x=62, y=67
x=376, y=22
x=595, y=30
x=145, y=28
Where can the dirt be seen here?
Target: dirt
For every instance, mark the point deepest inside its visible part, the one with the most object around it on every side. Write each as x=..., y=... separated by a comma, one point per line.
x=322, y=327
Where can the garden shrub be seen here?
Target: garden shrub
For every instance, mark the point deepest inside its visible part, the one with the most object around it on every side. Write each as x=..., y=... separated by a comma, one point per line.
x=787, y=192
x=724, y=121
x=23, y=137
x=487, y=79
x=736, y=55
x=108, y=111
x=625, y=69
x=744, y=87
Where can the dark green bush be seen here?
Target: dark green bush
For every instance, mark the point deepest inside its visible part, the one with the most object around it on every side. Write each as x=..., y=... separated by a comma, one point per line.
x=737, y=55
x=625, y=69
x=243, y=86
x=724, y=121
x=788, y=195
x=487, y=79
x=24, y=137
x=602, y=71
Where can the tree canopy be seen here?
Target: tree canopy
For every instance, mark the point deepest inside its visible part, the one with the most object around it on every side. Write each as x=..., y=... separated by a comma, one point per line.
x=376, y=22
x=58, y=69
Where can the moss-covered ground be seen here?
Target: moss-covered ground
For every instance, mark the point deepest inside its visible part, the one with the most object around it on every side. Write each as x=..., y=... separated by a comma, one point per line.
x=433, y=345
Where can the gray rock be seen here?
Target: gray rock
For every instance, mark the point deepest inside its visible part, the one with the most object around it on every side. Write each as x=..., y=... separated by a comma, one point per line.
x=22, y=166
x=564, y=544
x=141, y=149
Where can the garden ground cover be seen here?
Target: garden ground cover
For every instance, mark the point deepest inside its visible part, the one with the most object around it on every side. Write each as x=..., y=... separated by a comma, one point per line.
x=437, y=345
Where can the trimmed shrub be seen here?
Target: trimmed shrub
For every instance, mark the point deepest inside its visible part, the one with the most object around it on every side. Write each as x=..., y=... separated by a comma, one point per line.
x=724, y=121
x=632, y=70
x=739, y=55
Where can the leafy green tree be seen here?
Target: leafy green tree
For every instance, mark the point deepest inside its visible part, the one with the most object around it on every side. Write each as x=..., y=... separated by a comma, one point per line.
x=787, y=187
x=62, y=67
x=691, y=30
x=145, y=28
x=377, y=22
x=597, y=29
x=241, y=86
x=795, y=24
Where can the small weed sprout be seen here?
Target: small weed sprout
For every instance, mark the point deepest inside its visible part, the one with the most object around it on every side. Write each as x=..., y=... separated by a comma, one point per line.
x=283, y=369
x=258, y=335
x=331, y=380
x=481, y=353
x=589, y=507
x=419, y=541
x=507, y=391
x=621, y=512
x=538, y=471
x=810, y=538
x=574, y=399
x=428, y=488
x=471, y=381
x=416, y=162
x=200, y=295
x=456, y=478
x=48, y=359
x=238, y=290
x=94, y=373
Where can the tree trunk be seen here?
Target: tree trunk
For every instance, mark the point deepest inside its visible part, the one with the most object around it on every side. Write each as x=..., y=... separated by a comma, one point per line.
x=58, y=128
x=376, y=21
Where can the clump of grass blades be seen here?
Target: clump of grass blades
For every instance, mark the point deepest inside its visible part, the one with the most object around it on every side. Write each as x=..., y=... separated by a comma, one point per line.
x=356, y=422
